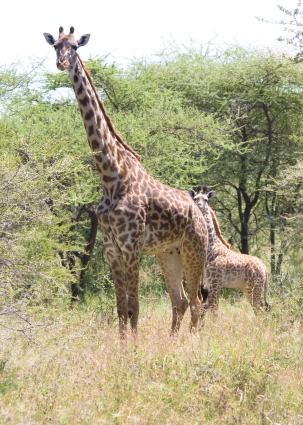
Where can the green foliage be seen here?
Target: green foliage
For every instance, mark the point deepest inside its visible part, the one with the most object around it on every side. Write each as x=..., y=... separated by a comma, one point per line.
x=232, y=121
x=259, y=98
x=11, y=81
x=45, y=175
x=292, y=26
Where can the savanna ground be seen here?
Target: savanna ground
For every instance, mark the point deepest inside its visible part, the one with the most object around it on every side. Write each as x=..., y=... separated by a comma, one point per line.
x=71, y=369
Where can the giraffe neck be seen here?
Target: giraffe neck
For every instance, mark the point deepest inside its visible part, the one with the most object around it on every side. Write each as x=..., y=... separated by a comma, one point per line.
x=215, y=245
x=114, y=159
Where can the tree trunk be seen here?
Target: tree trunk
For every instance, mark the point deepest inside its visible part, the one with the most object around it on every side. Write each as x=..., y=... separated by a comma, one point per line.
x=78, y=289
x=244, y=238
x=272, y=238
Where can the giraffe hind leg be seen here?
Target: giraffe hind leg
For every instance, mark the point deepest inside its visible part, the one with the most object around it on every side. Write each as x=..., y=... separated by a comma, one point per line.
x=171, y=266
x=253, y=293
x=193, y=265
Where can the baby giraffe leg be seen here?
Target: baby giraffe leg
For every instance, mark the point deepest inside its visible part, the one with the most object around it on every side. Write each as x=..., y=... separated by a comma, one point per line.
x=213, y=286
x=253, y=292
x=193, y=265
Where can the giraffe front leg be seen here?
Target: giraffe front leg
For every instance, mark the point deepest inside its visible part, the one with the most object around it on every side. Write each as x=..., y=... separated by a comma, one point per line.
x=115, y=261
x=212, y=304
x=118, y=276
x=126, y=279
x=213, y=285
x=132, y=279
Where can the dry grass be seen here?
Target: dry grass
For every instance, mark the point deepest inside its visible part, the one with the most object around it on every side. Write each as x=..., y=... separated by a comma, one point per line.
x=238, y=369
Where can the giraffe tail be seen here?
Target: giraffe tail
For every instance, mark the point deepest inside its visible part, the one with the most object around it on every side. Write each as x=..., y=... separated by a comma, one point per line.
x=266, y=305
x=204, y=293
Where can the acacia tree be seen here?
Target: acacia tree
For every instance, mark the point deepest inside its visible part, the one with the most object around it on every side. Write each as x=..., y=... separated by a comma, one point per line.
x=286, y=195
x=259, y=96
x=279, y=205
x=292, y=24
x=43, y=180
x=267, y=117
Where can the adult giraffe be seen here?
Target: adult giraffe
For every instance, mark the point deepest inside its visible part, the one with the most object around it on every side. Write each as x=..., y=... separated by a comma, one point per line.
x=136, y=212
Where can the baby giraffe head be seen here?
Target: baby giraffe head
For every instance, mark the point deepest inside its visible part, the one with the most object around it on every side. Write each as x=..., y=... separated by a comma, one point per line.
x=66, y=47
x=201, y=197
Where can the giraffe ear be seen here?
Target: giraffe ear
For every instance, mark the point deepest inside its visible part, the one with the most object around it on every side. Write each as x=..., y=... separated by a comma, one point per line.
x=205, y=189
x=197, y=188
x=83, y=40
x=49, y=38
x=211, y=194
x=192, y=193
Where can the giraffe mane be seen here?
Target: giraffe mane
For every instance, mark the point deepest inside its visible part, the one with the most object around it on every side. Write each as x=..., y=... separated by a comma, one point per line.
x=217, y=228
x=107, y=118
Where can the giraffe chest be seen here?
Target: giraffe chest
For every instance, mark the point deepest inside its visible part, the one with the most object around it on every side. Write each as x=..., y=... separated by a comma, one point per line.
x=163, y=228
x=121, y=218
x=155, y=228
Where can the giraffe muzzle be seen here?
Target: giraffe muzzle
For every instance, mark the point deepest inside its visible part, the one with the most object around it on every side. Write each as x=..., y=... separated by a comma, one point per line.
x=62, y=65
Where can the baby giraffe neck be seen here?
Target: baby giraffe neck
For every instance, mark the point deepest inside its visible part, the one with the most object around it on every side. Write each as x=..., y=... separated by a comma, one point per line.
x=216, y=243
x=212, y=235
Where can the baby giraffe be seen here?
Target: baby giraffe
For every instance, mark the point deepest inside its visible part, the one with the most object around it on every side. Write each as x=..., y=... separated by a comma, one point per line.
x=226, y=268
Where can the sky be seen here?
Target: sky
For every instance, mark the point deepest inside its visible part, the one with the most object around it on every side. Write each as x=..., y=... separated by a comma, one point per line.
x=124, y=29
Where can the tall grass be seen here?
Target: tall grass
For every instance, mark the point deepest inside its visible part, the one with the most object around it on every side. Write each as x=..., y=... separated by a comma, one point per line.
x=238, y=369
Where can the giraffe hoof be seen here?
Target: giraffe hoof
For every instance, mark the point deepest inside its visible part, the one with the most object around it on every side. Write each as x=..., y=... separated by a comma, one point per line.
x=130, y=314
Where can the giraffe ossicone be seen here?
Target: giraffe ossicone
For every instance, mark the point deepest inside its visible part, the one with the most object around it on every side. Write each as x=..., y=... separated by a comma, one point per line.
x=137, y=212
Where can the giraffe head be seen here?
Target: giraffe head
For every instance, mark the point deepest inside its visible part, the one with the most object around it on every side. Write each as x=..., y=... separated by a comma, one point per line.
x=66, y=47
x=201, y=196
